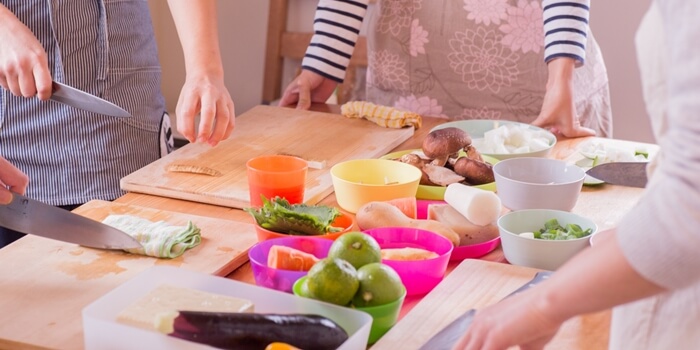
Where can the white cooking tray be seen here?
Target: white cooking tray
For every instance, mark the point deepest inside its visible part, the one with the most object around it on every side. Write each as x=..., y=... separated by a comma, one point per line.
x=103, y=332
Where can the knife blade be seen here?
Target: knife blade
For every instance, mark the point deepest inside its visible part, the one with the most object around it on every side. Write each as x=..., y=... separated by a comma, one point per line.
x=447, y=337
x=80, y=99
x=33, y=217
x=633, y=174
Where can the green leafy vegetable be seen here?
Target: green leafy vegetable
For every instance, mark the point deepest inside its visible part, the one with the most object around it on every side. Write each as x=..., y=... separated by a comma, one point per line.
x=554, y=231
x=642, y=152
x=279, y=215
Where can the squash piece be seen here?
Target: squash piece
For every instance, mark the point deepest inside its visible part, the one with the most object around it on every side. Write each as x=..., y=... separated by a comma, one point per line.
x=382, y=214
x=288, y=258
x=407, y=205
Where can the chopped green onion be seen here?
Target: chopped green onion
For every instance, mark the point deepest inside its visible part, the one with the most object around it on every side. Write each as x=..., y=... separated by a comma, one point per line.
x=554, y=231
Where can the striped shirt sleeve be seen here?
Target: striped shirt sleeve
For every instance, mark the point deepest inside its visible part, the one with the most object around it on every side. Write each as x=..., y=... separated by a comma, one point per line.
x=565, y=29
x=336, y=28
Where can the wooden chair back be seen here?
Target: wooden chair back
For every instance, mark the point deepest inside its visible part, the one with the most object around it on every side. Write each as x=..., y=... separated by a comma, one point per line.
x=283, y=44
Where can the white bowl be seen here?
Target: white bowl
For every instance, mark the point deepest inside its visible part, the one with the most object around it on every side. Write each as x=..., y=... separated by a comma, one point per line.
x=538, y=183
x=540, y=253
x=476, y=128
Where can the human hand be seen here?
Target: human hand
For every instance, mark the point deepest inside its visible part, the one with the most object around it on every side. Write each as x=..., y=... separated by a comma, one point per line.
x=517, y=320
x=207, y=96
x=307, y=88
x=24, y=69
x=11, y=180
x=558, y=112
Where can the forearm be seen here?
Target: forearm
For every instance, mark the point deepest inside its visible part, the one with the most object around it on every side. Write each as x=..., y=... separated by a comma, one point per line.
x=336, y=29
x=197, y=29
x=8, y=21
x=560, y=71
x=597, y=279
x=5, y=14
x=565, y=29
x=661, y=237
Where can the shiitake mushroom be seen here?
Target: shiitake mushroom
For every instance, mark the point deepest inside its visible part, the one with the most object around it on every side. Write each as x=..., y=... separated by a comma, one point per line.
x=475, y=172
x=418, y=162
x=443, y=143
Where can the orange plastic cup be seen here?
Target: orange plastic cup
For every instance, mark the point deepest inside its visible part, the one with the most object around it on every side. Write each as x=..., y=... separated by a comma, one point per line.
x=276, y=176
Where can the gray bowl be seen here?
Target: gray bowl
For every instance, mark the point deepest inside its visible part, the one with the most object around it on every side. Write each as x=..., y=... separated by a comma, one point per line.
x=538, y=183
x=540, y=253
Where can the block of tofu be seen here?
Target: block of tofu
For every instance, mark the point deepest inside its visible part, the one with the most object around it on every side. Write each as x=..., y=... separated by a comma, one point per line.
x=468, y=232
x=165, y=299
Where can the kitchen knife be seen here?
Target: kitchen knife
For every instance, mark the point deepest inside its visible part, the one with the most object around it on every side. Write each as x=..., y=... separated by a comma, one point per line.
x=633, y=174
x=446, y=338
x=29, y=216
x=80, y=99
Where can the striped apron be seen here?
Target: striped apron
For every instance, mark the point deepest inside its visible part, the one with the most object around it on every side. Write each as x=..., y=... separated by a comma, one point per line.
x=106, y=48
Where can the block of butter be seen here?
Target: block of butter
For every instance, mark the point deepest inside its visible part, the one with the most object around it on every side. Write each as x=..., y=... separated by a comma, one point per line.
x=165, y=298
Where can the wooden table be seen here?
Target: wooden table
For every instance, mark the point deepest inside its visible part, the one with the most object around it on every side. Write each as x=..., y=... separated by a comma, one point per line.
x=604, y=204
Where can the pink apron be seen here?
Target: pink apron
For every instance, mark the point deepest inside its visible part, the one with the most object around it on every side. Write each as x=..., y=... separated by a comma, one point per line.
x=473, y=59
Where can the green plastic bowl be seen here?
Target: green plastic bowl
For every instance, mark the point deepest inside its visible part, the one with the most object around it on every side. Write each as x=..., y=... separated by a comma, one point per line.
x=383, y=316
x=438, y=192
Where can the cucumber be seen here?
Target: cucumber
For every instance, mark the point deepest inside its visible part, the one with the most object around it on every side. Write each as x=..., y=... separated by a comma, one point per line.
x=228, y=330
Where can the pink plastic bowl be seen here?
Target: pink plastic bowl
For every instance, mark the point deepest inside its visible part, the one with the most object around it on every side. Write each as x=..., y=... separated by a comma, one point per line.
x=278, y=279
x=460, y=253
x=419, y=276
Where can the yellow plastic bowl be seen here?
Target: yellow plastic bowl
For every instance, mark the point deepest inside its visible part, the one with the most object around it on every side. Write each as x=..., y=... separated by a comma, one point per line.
x=360, y=181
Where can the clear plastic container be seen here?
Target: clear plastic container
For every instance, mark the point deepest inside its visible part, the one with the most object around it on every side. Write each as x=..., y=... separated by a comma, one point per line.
x=103, y=332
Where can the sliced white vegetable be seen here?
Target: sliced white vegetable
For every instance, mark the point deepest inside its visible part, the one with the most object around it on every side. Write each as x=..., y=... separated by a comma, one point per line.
x=586, y=165
x=512, y=138
x=480, y=207
x=528, y=235
x=596, y=153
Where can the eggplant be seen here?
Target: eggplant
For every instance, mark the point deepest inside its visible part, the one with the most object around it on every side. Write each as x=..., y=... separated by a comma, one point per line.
x=253, y=331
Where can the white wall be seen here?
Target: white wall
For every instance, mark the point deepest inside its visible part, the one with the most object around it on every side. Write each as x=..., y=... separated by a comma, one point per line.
x=242, y=28
x=614, y=24
x=243, y=24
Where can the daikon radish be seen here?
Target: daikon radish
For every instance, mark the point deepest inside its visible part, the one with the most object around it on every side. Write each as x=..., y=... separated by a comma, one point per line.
x=480, y=207
x=469, y=233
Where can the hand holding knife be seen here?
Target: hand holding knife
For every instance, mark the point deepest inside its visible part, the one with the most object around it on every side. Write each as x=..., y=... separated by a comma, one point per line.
x=11, y=180
x=446, y=338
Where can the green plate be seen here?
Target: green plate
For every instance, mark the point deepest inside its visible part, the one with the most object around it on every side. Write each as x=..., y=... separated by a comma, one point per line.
x=438, y=192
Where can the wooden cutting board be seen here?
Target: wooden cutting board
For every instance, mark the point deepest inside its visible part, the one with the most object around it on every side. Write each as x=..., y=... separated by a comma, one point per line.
x=320, y=137
x=38, y=295
x=475, y=284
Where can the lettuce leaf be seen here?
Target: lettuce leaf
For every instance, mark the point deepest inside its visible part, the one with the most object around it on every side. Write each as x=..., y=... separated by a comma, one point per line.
x=279, y=215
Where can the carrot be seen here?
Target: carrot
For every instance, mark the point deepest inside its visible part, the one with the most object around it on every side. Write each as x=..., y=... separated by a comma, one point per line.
x=407, y=205
x=280, y=346
x=287, y=258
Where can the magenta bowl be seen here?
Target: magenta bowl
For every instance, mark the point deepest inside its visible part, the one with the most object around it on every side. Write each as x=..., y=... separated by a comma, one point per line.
x=418, y=276
x=279, y=279
x=459, y=253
